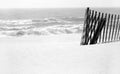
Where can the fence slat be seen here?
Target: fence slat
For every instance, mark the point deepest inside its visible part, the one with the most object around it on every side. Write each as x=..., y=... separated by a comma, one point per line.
x=98, y=18
x=107, y=26
x=116, y=29
x=92, y=26
x=100, y=27
x=113, y=27
x=100, y=24
x=98, y=31
x=111, y=21
x=87, y=14
x=118, y=32
x=104, y=29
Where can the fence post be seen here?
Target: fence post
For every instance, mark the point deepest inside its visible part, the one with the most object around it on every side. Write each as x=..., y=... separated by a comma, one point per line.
x=85, y=27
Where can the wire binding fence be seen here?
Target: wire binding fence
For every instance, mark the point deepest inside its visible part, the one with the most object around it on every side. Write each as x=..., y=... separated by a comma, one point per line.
x=100, y=27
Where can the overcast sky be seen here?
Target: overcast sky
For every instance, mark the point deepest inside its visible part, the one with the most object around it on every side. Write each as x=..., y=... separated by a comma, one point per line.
x=57, y=3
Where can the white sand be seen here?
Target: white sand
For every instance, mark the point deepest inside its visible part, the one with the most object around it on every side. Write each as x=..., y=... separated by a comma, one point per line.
x=57, y=54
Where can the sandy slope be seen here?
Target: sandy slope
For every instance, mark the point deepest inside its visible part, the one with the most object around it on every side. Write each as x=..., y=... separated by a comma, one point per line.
x=57, y=54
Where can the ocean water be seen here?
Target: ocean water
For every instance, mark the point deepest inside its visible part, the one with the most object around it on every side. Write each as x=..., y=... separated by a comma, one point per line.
x=36, y=21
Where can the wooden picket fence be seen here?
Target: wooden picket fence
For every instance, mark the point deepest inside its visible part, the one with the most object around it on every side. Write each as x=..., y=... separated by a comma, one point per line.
x=100, y=27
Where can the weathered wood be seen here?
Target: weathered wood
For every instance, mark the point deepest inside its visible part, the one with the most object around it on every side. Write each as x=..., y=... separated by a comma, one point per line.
x=104, y=29
x=92, y=26
x=111, y=22
x=99, y=15
x=118, y=35
x=100, y=27
x=116, y=29
x=107, y=26
x=87, y=26
x=113, y=29
x=101, y=24
x=86, y=22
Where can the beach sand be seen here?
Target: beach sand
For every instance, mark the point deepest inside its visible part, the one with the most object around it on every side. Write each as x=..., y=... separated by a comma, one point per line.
x=57, y=54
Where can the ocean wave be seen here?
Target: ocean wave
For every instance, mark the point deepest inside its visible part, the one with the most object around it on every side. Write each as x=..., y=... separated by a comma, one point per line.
x=15, y=22
x=44, y=26
x=49, y=30
x=50, y=20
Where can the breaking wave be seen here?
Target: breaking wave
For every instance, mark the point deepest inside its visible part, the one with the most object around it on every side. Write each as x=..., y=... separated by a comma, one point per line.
x=46, y=26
